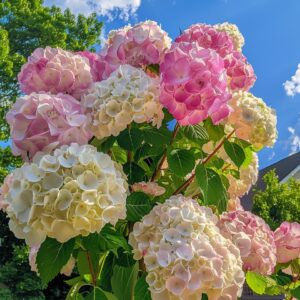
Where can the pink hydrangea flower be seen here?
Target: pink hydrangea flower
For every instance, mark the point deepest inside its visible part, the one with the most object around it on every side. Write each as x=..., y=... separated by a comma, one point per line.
x=240, y=72
x=4, y=190
x=97, y=63
x=43, y=121
x=150, y=188
x=57, y=71
x=139, y=46
x=287, y=240
x=253, y=237
x=194, y=84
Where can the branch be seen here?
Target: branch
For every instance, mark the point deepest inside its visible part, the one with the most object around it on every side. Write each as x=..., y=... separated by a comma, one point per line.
x=187, y=183
x=94, y=279
x=163, y=158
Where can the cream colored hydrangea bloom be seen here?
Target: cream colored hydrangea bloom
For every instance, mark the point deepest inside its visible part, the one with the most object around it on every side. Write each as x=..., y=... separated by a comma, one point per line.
x=253, y=120
x=233, y=31
x=74, y=191
x=248, y=177
x=128, y=95
x=184, y=253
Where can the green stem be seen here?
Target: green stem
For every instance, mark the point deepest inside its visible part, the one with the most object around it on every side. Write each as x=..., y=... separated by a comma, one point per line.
x=94, y=278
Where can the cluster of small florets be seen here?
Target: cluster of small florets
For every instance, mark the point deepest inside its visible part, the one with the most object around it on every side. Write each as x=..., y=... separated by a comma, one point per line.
x=248, y=177
x=253, y=120
x=234, y=33
x=253, y=237
x=139, y=46
x=184, y=253
x=42, y=121
x=76, y=190
x=128, y=95
x=57, y=71
x=240, y=73
x=194, y=84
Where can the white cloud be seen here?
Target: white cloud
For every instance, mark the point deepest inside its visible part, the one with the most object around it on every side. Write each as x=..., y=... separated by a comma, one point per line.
x=272, y=155
x=123, y=9
x=292, y=87
x=294, y=140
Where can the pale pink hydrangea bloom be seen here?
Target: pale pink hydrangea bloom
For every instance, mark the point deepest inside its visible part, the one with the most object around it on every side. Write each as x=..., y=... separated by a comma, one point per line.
x=253, y=237
x=57, y=71
x=239, y=71
x=184, y=253
x=43, y=121
x=287, y=240
x=4, y=190
x=138, y=46
x=194, y=84
x=97, y=63
x=150, y=188
x=66, y=269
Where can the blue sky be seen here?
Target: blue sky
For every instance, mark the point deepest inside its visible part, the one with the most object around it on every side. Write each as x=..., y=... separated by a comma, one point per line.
x=271, y=29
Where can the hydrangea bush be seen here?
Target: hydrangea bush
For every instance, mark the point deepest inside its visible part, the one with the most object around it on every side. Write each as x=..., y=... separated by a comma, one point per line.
x=135, y=159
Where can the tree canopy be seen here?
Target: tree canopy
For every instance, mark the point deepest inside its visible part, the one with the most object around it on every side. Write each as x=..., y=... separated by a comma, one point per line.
x=279, y=202
x=26, y=25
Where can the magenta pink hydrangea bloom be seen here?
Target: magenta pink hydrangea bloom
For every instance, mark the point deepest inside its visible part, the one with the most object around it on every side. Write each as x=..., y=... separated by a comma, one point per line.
x=44, y=121
x=194, y=84
x=287, y=240
x=57, y=71
x=240, y=72
x=253, y=237
x=138, y=46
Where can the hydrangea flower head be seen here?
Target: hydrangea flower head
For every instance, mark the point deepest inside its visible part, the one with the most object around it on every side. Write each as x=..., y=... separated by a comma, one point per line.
x=150, y=188
x=240, y=73
x=287, y=240
x=55, y=70
x=253, y=237
x=44, y=121
x=234, y=33
x=74, y=191
x=138, y=46
x=184, y=253
x=128, y=95
x=194, y=84
x=253, y=120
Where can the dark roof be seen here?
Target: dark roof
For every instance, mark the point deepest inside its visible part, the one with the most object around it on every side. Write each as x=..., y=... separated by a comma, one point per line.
x=282, y=169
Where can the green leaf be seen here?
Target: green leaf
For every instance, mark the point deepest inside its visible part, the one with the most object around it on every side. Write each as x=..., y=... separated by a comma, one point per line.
x=107, y=144
x=204, y=297
x=134, y=172
x=83, y=263
x=154, y=68
x=212, y=187
x=52, y=256
x=73, y=293
x=296, y=292
x=157, y=137
x=181, y=161
x=74, y=280
x=141, y=291
x=196, y=133
x=118, y=154
x=130, y=139
x=123, y=281
x=235, y=152
x=215, y=132
x=137, y=205
x=256, y=282
x=99, y=294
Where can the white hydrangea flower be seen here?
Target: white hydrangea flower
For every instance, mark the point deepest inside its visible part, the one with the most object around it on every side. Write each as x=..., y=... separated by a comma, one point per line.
x=253, y=120
x=248, y=177
x=74, y=191
x=128, y=95
x=233, y=31
x=184, y=253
